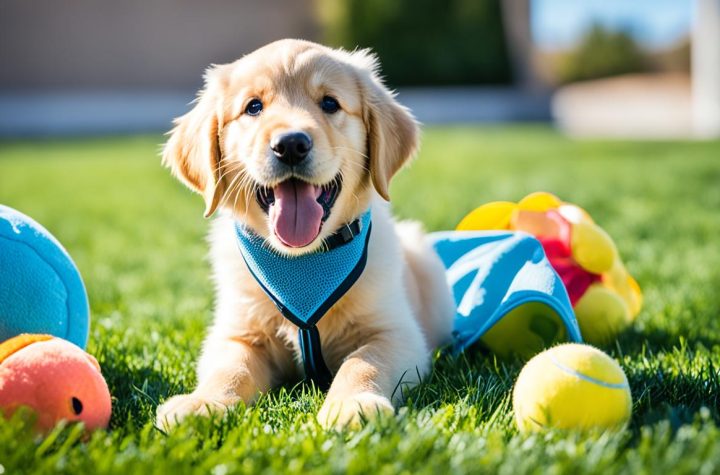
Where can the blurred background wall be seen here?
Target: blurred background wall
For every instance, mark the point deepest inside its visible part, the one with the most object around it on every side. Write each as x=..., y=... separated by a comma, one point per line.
x=103, y=66
x=136, y=44
x=641, y=68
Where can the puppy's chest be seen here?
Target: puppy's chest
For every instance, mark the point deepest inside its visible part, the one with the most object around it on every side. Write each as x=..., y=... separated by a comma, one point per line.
x=346, y=326
x=342, y=331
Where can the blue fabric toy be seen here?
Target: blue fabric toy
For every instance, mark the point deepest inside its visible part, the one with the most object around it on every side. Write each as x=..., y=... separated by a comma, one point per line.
x=506, y=292
x=40, y=288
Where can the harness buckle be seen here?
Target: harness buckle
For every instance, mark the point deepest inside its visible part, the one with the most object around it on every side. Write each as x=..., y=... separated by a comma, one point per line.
x=347, y=233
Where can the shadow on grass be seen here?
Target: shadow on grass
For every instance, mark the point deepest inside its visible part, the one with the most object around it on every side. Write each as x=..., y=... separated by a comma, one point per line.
x=677, y=386
x=138, y=390
x=674, y=389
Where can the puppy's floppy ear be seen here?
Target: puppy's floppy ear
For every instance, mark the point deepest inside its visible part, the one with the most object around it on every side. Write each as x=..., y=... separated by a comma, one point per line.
x=392, y=131
x=193, y=150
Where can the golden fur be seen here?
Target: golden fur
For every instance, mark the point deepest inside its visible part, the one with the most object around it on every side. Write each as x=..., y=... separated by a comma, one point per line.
x=381, y=333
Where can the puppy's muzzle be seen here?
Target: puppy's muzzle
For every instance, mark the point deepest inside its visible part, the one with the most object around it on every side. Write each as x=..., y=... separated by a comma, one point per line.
x=291, y=148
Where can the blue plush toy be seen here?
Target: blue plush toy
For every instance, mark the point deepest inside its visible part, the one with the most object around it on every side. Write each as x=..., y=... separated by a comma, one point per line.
x=40, y=288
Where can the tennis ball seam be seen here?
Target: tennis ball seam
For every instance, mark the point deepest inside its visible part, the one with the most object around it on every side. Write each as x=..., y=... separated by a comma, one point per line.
x=585, y=377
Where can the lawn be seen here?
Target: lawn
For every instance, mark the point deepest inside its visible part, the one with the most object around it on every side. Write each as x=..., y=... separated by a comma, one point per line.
x=138, y=239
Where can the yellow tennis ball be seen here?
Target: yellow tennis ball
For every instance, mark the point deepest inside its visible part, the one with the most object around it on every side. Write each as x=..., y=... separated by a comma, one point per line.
x=571, y=386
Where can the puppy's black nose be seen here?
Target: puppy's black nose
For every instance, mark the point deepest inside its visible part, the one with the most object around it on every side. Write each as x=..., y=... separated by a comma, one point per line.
x=291, y=148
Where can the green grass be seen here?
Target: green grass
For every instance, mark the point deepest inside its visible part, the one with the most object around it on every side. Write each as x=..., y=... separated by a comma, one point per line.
x=137, y=237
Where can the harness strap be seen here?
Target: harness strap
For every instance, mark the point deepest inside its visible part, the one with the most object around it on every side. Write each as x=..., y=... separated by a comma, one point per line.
x=315, y=368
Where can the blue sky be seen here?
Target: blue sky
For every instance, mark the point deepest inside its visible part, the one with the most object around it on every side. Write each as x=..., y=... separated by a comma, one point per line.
x=655, y=23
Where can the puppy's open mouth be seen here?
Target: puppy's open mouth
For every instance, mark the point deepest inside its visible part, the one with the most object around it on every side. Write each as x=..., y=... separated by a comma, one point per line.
x=298, y=209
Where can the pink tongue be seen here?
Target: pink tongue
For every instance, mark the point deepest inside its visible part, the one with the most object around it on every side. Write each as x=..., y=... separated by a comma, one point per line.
x=296, y=216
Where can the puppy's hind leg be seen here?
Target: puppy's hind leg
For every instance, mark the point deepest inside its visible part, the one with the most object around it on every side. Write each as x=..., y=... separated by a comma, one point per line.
x=426, y=285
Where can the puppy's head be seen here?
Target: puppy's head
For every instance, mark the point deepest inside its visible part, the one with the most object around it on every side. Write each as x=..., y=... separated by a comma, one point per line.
x=292, y=140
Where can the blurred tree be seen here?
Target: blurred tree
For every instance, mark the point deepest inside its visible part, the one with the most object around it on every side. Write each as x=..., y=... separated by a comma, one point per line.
x=424, y=42
x=604, y=53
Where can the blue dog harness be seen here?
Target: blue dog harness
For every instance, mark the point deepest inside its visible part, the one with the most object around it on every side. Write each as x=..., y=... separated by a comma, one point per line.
x=305, y=287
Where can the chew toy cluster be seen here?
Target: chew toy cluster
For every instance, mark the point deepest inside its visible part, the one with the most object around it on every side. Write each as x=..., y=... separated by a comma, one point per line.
x=605, y=297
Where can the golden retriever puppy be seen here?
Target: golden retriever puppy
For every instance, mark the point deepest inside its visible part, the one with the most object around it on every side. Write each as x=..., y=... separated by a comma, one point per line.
x=292, y=142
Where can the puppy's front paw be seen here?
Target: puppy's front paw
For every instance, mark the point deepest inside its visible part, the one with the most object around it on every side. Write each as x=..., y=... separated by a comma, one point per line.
x=177, y=408
x=350, y=412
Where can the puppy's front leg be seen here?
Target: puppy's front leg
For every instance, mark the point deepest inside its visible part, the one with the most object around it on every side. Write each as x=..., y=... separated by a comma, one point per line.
x=364, y=384
x=232, y=369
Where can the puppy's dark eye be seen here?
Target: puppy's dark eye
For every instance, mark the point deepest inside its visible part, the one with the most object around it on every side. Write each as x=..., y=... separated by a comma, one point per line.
x=254, y=107
x=329, y=105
